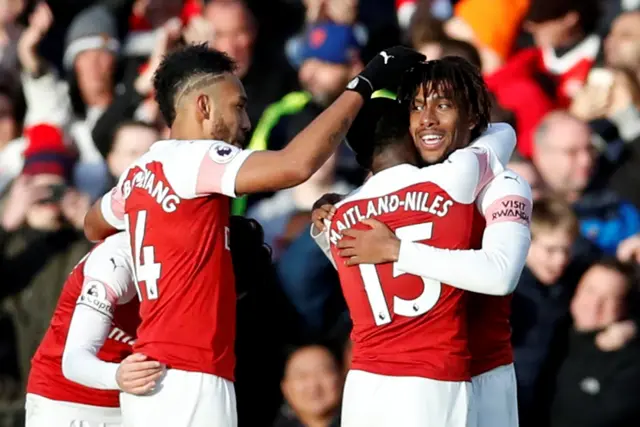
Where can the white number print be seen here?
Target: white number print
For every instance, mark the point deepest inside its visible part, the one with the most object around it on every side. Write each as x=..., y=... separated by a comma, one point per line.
x=408, y=308
x=149, y=272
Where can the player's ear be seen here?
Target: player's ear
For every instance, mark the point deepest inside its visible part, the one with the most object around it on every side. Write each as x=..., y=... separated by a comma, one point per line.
x=204, y=107
x=473, y=122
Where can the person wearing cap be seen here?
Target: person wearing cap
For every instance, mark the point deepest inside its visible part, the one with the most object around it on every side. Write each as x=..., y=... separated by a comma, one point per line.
x=329, y=57
x=41, y=230
x=90, y=55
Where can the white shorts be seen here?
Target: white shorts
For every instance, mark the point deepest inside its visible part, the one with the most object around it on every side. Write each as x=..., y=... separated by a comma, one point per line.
x=43, y=412
x=372, y=400
x=183, y=399
x=495, y=400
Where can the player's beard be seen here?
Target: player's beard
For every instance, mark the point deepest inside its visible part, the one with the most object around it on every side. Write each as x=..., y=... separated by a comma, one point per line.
x=221, y=131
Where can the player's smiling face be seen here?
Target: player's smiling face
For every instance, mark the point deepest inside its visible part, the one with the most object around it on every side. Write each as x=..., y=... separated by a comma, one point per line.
x=436, y=125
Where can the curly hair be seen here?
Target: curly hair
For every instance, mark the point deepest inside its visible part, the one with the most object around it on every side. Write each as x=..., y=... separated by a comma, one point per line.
x=180, y=67
x=455, y=78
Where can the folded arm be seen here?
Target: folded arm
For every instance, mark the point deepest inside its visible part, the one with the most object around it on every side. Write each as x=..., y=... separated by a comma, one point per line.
x=87, y=333
x=495, y=268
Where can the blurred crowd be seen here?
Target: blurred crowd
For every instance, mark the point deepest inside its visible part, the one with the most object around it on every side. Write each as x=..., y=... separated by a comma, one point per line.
x=76, y=107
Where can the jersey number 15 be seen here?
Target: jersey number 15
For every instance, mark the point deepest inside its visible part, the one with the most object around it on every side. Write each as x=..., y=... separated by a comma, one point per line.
x=408, y=308
x=149, y=272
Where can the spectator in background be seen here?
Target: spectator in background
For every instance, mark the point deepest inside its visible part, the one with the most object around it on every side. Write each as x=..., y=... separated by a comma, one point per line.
x=312, y=386
x=541, y=299
x=492, y=26
x=90, y=57
x=426, y=33
x=9, y=34
x=331, y=59
x=566, y=46
x=264, y=71
x=131, y=140
x=598, y=383
x=566, y=159
x=12, y=110
x=526, y=169
x=621, y=47
x=42, y=219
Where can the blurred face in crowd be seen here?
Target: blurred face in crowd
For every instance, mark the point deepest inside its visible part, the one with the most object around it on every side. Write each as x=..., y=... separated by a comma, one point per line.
x=549, y=254
x=129, y=143
x=553, y=33
x=157, y=12
x=437, y=126
x=8, y=125
x=234, y=31
x=311, y=384
x=325, y=80
x=564, y=154
x=225, y=101
x=599, y=299
x=622, y=45
x=529, y=172
x=10, y=10
x=45, y=214
x=94, y=70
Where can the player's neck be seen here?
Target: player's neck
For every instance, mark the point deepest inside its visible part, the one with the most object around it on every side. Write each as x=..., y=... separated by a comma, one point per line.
x=389, y=159
x=181, y=130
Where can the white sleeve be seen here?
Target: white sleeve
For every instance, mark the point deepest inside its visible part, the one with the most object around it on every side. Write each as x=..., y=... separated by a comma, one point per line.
x=322, y=240
x=200, y=168
x=87, y=333
x=112, y=207
x=108, y=281
x=500, y=140
x=495, y=269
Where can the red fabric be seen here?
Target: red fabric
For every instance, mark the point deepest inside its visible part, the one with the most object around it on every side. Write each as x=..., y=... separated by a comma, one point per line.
x=516, y=90
x=44, y=137
x=400, y=3
x=191, y=8
x=46, y=378
x=432, y=343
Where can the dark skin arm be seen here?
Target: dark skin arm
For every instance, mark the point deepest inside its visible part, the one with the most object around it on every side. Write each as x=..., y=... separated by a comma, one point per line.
x=304, y=155
x=96, y=228
x=374, y=246
x=274, y=170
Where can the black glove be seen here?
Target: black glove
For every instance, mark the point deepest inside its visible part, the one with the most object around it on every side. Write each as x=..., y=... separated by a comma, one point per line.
x=385, y=70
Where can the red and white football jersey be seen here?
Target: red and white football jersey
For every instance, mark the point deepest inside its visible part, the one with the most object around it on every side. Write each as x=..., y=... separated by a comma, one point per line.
x=404, y=325
x=174, y=204
x=102, y=281
x=507, y=199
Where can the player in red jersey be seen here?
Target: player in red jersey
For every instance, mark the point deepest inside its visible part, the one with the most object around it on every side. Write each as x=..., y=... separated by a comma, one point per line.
x=100, y=287
x=410, y=361
x=174, y=204
x=501, y=232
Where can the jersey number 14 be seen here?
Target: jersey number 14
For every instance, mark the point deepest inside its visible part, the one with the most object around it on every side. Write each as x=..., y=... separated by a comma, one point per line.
x=149, y=272
x=408, y=308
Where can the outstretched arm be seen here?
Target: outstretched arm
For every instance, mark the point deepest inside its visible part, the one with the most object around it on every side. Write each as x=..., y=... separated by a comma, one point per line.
x=310, y=149
x=494, y=270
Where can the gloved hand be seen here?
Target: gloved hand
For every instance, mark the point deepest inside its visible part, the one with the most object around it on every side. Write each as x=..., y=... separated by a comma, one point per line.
x=385, y=70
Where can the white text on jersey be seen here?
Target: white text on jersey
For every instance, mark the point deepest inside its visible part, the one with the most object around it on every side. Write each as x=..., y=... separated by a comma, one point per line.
x=413, y=201
x=119, y=335
x=160, y=191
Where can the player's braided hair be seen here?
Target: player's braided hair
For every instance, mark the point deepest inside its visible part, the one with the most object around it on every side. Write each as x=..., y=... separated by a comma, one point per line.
x=250, y=254
x=455, y=78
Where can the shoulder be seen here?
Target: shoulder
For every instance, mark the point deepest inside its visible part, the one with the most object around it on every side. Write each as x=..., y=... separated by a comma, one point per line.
x=105, y=257
x=509, y=183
